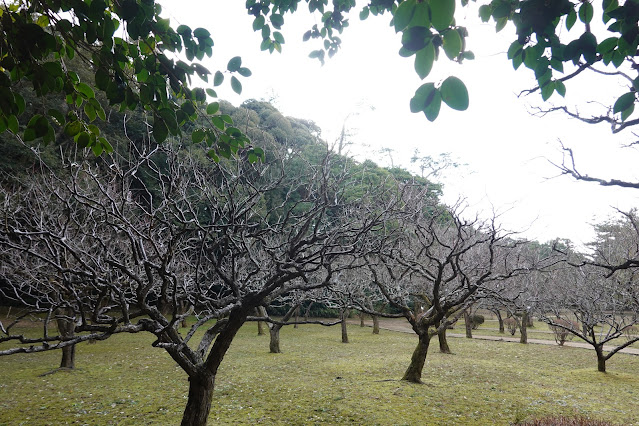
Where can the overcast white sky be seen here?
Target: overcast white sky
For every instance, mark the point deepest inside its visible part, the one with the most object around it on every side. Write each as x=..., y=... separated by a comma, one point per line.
x=506, y=149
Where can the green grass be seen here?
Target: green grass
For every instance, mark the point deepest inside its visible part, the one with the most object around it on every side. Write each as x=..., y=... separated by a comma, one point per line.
x=318, y=380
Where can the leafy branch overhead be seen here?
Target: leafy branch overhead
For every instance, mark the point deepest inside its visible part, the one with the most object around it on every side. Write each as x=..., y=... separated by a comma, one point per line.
x=134, y=54
x=140, y=61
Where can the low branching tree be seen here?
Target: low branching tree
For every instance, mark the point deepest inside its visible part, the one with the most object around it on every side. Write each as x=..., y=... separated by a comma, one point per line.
x=606, y=307
x=440, y=264
x=130, y=246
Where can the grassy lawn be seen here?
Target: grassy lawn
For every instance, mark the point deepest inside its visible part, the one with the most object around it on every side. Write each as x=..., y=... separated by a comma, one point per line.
x=318, y=380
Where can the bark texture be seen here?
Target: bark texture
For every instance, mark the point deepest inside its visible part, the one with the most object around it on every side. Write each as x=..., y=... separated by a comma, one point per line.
x=414, y=371
x=67, y=330
x=375, y=324
x=443, y=342
x=524, y=328
x=344, y=315
x=199, y=402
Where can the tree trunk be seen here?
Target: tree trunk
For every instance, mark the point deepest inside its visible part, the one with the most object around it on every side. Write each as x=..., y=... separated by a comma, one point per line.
x=274, y=345
x=66, y=328
x=361, y=319
x=523, y=328
x=500, y=320
x=530, y=323
x=375, y=324
x=469, y=326
x=199, y=402
x=202, y=382
x=259, y=311
x=297, y=314
x=443, y=342
x=344, y=315
x=414, y=371
x=601, y=359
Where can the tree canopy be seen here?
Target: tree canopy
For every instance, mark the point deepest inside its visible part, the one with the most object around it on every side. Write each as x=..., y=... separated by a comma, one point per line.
x=139, y=60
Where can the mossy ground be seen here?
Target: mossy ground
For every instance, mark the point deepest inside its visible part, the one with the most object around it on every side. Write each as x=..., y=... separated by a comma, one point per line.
x=318, y=380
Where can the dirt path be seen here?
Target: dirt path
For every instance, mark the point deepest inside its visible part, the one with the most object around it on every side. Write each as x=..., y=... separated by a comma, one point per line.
x=403, y=327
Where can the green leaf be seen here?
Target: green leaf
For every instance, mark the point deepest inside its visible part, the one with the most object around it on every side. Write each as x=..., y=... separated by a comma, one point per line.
x=169, y=118
x=424, y=60
x=403, y=14
x=422, y=94
x=442, y=13
x=12, y=124
x=627, y=112
x=85, y=90
x=278, y=37
x=514, y=49
x=363, y=15
x=106, y=145
x=421, y=17
x=277, y=20
x=571, y=18
x=547, y=90
x=218, y=79
x=452, y=44
x=454, y=93
x=160, y=130
x=586, y=12
x=236, y=85
x=212, y=108
x=624, y=102
x=234, y=64
x=97, y=149
x=501, y=24
x=201, y=33
x=184, y=30
x=258, y=23
x=73, y=128
x=90, y=111
x=485, y=12
x=198, y=135
x=560, y=88
x=244, y=72
x=82, y=139
x=607, y=45
x=433, y=105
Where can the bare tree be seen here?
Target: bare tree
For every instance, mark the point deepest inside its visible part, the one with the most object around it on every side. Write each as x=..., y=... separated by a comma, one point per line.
x=606, y=307
x=127, y=246
x=439, y=266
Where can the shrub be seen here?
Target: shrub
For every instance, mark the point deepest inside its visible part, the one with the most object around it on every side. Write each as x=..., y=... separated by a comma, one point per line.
x=561, y=333
x=511, y=325
x=476, y=320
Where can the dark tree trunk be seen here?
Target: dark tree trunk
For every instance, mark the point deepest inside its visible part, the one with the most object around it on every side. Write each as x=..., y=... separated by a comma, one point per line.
x=530, y=323
x=469, y=326
x=584, y=329
x=202, y=382
x=297, y=315
x=443, y=342
x=500, y=320
x=199, y=402
x=307, y=313
x=361, y=319
x=66, y=328
x=414, y=371
x=375, y=324
x=344, y=315
x=260, y=312
x=274, y=345
x=524, y=328
x=601, y=359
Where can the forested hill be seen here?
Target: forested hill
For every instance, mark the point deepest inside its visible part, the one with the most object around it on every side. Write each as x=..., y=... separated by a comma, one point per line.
x=259, y=120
